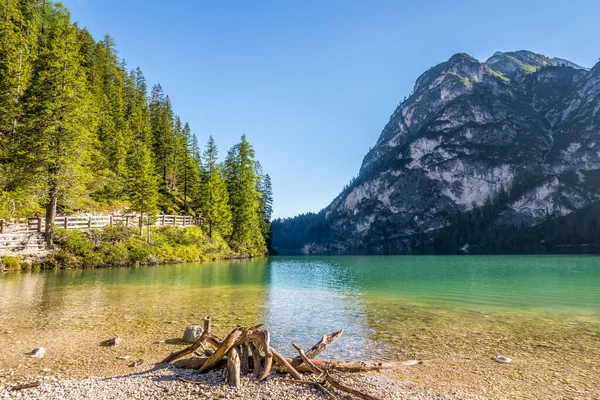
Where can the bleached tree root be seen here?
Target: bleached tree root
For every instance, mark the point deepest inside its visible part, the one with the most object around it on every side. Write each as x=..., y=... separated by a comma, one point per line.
x=249, y=349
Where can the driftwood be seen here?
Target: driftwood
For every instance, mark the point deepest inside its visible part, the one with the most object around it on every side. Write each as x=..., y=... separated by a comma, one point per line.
x=284, y=363
x=244, y=360
x=233, y=367
x=318, y=348
x=256, y=360
x=329, y=365
x=249, y=349
x=329, y=379
x=191, y=349
x=356, y=366
x=29, y=385
x=223, y=349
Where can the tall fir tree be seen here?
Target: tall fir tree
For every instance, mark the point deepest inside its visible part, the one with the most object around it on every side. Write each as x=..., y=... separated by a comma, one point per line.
x=161, y=120
x=56, y=127
x=143, y=184
x=214, y=198
x=241, y=180
x=18, y=49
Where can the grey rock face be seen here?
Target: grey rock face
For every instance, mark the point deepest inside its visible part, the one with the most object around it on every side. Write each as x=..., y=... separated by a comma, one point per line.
x=520, y=122
x=192, y=333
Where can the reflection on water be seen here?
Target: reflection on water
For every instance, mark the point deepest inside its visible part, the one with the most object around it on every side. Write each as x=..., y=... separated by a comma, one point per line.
x=377, y=300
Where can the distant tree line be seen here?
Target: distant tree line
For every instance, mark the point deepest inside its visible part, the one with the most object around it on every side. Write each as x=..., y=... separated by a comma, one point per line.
x=79, y=132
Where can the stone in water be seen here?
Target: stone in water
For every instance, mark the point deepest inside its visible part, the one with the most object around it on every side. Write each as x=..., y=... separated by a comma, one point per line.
x=38, y=352
x=503, y=360
x=114, y=341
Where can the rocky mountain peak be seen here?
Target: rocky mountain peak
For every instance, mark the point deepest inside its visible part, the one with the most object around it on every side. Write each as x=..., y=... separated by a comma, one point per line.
x=509, y=143
x=515, y=63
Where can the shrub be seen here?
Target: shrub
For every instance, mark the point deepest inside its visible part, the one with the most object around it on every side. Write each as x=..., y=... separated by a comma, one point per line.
x=11, y=263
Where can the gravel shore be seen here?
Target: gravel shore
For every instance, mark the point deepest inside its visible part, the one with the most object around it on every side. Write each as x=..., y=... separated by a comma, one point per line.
x=163, y=383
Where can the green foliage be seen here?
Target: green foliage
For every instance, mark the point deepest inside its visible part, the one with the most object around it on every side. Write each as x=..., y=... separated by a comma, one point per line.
x=214, y=198
x=119, y=246
x=241, y=181
x=10, y=263
x=79, y=133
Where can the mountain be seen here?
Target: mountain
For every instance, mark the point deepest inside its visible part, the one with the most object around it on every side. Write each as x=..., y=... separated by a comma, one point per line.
x=481, y=157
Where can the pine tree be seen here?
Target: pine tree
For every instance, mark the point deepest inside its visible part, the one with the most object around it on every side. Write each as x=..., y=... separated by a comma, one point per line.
x=188, y=168
x=214, y=198
x=143, y=185
x=267, y=208
x=17, y=45
x=56, y=128
x=161, y=120
x=241, y=183
x=18, y=48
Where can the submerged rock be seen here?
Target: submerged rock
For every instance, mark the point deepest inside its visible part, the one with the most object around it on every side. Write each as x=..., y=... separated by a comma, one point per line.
x=112, y=342
x=192, y=333
x=503, y=360
x=38, y=352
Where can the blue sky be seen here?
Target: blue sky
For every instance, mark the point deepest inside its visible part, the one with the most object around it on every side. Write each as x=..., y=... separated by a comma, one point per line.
x=313, y=82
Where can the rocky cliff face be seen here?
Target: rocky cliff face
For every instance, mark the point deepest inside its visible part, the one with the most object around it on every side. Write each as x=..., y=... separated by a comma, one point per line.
x=520, y=131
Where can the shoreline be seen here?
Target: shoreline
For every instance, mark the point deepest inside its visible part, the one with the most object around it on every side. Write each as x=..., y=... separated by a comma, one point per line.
x=122, y=247
x=164, y=382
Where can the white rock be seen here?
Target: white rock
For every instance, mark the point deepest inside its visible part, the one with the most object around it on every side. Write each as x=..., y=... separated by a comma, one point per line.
x=502, y=359
x=38, y=352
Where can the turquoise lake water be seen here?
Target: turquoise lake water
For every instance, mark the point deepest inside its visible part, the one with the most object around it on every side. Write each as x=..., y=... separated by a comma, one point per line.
x=301, y=298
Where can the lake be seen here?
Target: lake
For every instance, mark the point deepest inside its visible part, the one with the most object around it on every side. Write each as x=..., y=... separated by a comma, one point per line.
x=436, y=308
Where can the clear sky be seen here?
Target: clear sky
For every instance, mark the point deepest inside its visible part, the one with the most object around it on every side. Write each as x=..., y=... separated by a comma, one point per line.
x=313, y=82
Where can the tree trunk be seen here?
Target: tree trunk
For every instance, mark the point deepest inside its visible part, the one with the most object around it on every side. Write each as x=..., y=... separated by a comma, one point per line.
x=185, y=188
x=51, y=211
x=141, y=224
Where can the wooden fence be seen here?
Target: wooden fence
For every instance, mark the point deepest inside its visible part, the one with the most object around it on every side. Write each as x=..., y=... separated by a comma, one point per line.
x=27, y=225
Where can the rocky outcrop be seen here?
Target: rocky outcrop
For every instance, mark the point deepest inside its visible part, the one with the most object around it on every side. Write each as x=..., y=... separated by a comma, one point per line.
x=521, y=131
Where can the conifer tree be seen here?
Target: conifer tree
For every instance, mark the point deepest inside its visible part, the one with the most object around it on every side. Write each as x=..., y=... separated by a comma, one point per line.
x=188, y=168
x=241, y=183
x=143, y=185
x=161, y=120
x=17, y=44
x=214, y=199
x=56, y=129
x=267, y=210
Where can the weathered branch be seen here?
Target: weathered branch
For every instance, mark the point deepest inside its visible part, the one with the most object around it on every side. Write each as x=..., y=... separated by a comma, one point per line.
x=189, y=350
x=324, y=343
x=30, y=385
x=233, y=367
x=281, y=360
x=356, y=366
x=318, y=348
x=329, y=379
x=329, y=365
x=223, y=349
x=244, y=360
x=256, y=360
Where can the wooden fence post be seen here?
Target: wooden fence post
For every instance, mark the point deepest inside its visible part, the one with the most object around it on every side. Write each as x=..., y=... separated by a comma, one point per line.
x=39, y=229
x=111, y=220
x=89, y=223
x=66, y=222
x=127, y=221
x=1, y=226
